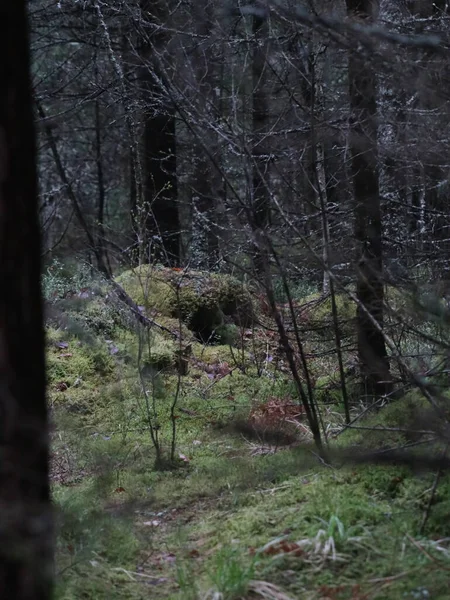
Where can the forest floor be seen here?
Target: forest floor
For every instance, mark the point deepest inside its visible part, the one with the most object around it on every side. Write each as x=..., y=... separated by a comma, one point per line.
x=234, y=517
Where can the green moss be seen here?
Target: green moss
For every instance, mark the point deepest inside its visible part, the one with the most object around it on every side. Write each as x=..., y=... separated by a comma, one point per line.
x=94, y=547
x=218, y=354
x=355, y=511
x=328, y=390
x=148, y=287
x=147, y=349
x=74, y=362
x=203, y=301
x=99, y=317
x=399, y=414
x=319, y=312
x=77, y=402
x=159, y=352
x=437, y=523
x=69, y=365
x=176, y=326
x=86, y=318
x=229, y=501
x=403, y=412
x=226, y=334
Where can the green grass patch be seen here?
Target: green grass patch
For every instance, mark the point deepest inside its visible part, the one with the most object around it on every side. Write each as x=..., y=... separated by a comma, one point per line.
x=233, y=519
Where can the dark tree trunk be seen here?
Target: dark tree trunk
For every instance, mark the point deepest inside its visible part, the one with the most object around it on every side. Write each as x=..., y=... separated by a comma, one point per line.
x=163, y=226
x=429, y=221
x=260, y=213
x=368, y=224
x=101, y=247
x=205, y=240
x=160, y=158
x=25, y=508
x=206, y=181
x=133, y=254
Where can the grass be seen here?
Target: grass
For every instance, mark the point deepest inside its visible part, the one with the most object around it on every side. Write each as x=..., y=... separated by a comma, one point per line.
x=229, y=519
x=235, y=519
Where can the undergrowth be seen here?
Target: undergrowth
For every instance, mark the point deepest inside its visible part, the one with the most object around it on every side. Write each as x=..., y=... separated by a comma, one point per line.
x=233, y=517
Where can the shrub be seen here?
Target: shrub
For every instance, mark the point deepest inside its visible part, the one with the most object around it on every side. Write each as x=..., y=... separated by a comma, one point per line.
x=58, y=280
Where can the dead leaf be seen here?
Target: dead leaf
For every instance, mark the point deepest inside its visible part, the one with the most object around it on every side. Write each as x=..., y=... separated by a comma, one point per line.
x=283, y=547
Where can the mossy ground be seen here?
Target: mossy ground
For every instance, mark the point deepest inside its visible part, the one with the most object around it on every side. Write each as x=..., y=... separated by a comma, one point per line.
x=233, y=517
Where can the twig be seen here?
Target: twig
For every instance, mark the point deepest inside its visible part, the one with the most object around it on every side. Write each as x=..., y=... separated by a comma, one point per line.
x=438, y=563
x=131, y=573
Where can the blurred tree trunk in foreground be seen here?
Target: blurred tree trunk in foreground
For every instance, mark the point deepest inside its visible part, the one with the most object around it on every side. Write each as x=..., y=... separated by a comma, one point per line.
x=25, y=511
x=367, y=210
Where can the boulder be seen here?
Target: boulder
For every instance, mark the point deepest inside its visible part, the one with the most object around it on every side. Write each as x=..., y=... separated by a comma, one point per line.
x=205, y=302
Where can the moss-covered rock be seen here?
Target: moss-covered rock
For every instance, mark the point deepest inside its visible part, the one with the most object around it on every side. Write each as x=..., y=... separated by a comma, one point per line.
x=218, y=354
x=328, y=389
x=149, y=351
x=160, y=353
x=400, y=421
x=317, y=312
x=177, y=327
x=205, y=302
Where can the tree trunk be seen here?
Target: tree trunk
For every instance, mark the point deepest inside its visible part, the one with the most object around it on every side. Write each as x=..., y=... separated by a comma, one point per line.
x=160, y=163
x=161, y=208
x=206, y=181
x=260, y=201
x=100, y=221
x=365, y=174
x=25, y=515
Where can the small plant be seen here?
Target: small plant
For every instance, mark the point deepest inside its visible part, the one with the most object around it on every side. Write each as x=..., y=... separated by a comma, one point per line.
x=230, y=575
x=58, y=280
x=186, y=581
x=155, y=353
x=226, y=334
x=331, y=540
x=327, y=545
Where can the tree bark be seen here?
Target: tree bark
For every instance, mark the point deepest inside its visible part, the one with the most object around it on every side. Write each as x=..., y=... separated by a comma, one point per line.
x=160, y=157
x=163, y=227
x=367, y=213
x=206, y=182
x=260, y=212
x=101, y=249
x=25, y=507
